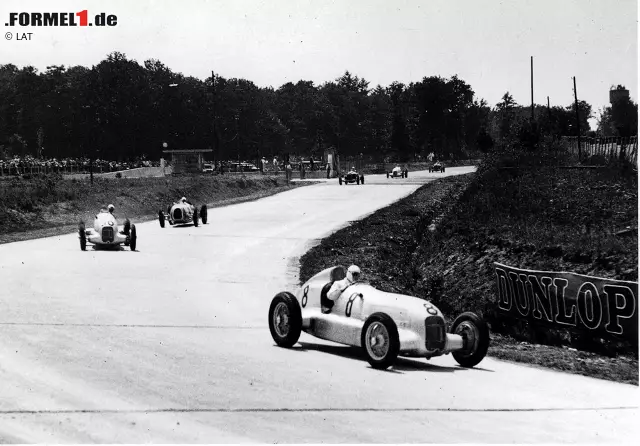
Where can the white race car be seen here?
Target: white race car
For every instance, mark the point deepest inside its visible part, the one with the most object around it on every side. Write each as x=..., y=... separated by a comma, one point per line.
x=182, y=213
x=105, y=232
x=398, y=172
x=384, y=325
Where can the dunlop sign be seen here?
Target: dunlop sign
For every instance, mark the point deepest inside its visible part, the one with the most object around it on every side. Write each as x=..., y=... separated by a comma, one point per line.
x=567, y=300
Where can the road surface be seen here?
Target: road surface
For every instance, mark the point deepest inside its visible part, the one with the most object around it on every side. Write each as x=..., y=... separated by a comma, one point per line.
x=171, y=344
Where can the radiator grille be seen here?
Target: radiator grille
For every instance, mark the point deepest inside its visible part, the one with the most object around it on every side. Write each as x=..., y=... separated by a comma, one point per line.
x=177, y=214
x=435, y=333
x=107, y=234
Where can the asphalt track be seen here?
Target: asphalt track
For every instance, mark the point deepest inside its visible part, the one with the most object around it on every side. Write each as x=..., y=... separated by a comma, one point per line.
x=171, y=344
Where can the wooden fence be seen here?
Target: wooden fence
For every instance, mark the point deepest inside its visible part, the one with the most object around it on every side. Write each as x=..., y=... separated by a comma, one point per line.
x=609, y=147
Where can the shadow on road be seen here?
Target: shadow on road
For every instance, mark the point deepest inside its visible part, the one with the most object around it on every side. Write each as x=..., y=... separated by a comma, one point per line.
x=401, y=365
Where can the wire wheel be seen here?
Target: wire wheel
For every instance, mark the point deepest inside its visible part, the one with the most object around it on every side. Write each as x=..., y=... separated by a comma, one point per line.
x=281, y=319
x=377, y=341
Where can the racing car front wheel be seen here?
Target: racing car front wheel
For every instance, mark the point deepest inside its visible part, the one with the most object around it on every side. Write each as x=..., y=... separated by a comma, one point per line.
x=195, y=217
x=362, y=179
x=380, y=340
x=133, y=238
x=83, y=237
x=475, y=334
x=340, y=181
x=285, y=319
x=203, y=214
x=387, y=174
x=161, y=219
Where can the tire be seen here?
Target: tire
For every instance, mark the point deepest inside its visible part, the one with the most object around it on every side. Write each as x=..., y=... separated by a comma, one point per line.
x=429, y=169
x=195, y=218
x=161, y=219
x=387, y=174
x=362, y=179
x=475, y=332
x=83, y=236
x=133, y=238
x=442, y=170
x=380, y=323
x=340, y=181
x=203, y=214
x=406, y=174
x=285, y=332
x=127, y=227
x=357, y=180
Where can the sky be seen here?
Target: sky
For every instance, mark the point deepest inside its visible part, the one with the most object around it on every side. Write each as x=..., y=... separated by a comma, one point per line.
x=486, y=43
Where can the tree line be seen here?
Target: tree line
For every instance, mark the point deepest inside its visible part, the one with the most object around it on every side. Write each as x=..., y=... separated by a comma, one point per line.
x=120, y=110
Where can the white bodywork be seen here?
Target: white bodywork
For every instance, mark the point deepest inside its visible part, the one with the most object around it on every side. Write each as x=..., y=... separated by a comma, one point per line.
x=359, y=301
x=185, y=214
x=103, y=224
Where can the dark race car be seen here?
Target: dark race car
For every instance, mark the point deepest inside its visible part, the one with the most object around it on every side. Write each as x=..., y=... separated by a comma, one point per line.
x=182, y=213
x=351, y=177
x=437, y=167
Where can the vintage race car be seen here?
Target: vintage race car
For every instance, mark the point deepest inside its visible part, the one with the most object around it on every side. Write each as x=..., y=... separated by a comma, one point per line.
x=383, y=324
x=437, y=167
x=182, y=213
x=351, y=177
x=105, y=232
x=398, y=172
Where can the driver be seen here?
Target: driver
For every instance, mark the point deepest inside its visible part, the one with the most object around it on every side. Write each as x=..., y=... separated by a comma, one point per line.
x=353, y=275
x=111, y=208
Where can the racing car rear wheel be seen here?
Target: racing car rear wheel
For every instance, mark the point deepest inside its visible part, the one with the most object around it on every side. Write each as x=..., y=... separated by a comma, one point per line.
x=357, y=180
x=362, y=179
x=285, y=319
x=387, y=174
x=442, y=170
x=340, y=181
x=133, y=238
x=475, y=333
x=380, y=340
x=195, y=217
x=83, y=237
x=203, y=214
x=161, y=218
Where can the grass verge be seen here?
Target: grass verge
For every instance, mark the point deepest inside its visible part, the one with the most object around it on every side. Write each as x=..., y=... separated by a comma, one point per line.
x=49, y=206
x=440, y=244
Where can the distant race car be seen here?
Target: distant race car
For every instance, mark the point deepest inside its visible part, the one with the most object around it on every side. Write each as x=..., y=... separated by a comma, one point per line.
x=182, y=213
x=105, y=232
x=384, y=325
x=398, y=172
x=351, y=177
x=437, y=167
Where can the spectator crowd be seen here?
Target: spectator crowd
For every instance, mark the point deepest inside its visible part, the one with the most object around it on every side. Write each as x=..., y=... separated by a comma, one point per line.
x=29, y=164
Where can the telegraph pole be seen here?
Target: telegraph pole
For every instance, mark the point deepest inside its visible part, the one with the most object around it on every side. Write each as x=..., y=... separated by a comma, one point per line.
x=575, y=95
x=215, y=145
x=532, y=108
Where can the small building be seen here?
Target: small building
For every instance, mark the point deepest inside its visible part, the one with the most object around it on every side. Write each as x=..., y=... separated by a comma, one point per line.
x=187, y=160
x=618, y=93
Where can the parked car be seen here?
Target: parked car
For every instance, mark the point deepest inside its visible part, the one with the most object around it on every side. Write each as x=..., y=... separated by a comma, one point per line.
x=385, y=325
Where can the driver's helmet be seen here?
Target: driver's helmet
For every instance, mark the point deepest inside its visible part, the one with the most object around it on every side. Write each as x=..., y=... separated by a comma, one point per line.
x=111, y=208
x=353, y=273
x=183, y=200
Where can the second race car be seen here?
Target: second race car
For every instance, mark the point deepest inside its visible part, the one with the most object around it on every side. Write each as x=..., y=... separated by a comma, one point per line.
x=182, y=213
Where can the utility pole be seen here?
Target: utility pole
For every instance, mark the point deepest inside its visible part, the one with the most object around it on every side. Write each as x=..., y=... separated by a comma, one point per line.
x=532, y=108
x=575, y=95
x=215, y=145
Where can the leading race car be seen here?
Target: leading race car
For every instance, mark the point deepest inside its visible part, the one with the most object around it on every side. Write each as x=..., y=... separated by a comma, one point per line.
x=182, y=212
x=384, y=325
x=437, y=167
x=351, y=177
x=398, y=172
x=105, y=232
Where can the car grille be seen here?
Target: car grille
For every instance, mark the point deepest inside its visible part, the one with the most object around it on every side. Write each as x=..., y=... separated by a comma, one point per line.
x=177, y=214
x=107, y=234
x=435, y=333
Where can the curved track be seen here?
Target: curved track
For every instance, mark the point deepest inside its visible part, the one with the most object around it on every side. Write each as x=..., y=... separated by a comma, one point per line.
x=171, y=344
